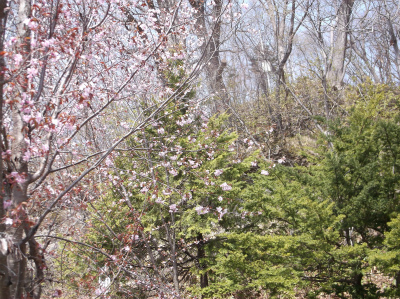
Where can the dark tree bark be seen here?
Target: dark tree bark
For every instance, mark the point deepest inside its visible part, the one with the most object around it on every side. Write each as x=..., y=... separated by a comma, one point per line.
x=201, y=254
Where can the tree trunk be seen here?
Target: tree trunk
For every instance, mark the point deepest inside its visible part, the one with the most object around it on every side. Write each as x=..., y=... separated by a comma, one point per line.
x=201, y=254
x=18, y=192
x=336, y=67
x=214, y=65
x=4, y=277
x=357, y=281
x=394, y=43
x=175, y=265
x=397, y=279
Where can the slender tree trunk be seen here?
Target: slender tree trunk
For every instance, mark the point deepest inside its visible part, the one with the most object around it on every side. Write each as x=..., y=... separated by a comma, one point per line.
x=394, y=43
x=174, y=261
x=362, y=53
x=397, y=278
x=347, y=236
x=17, y=260
x=4, y=276
x=326, y=99
x=201, y=254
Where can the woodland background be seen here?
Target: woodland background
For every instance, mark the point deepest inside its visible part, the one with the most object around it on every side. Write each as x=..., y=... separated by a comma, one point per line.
x=199, y=149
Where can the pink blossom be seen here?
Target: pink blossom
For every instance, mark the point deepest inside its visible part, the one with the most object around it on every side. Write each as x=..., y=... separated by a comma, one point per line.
x=69, y=126
x=203, y=117
x=26, y=118
x=159, y=200
x=6, y=204
x=27, y=156
x=254, y=164
x=124, y=125
x=220, y=198
x=8, y=221
x=144, y=189
x=32, y=24
x=26, y=110
x=264, y=172
x=31, y=72
x=179, y=149
x=99, y=291
x=218, y=172
x=202, y=210
x=194, y=164
x=226, y=187
x=86, y=93
x=48, y=42
x=6, y=155
x=173, y=172
x=83, y=86
x=165, y=164
x=18, y=59
x=173, y=208
x=109, y=163
x=221, y=212
x=161, y=131
x=283, y=159
x=18, y=177
x=29, y=102
x=38, y=117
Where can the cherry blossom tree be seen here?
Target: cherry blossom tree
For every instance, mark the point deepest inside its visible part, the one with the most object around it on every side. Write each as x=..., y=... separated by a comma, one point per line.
x=77, y=79
x=168, y=200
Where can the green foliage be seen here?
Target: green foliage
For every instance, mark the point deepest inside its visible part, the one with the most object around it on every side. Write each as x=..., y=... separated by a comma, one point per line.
x=317, y=226
x=387, y=259
x=171, y=194
x=274, y=229
x=249, y=261
x=281, y=244
x=363, y=167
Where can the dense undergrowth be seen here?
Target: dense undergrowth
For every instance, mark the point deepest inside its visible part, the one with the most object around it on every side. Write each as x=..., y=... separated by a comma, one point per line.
x=214, y=215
